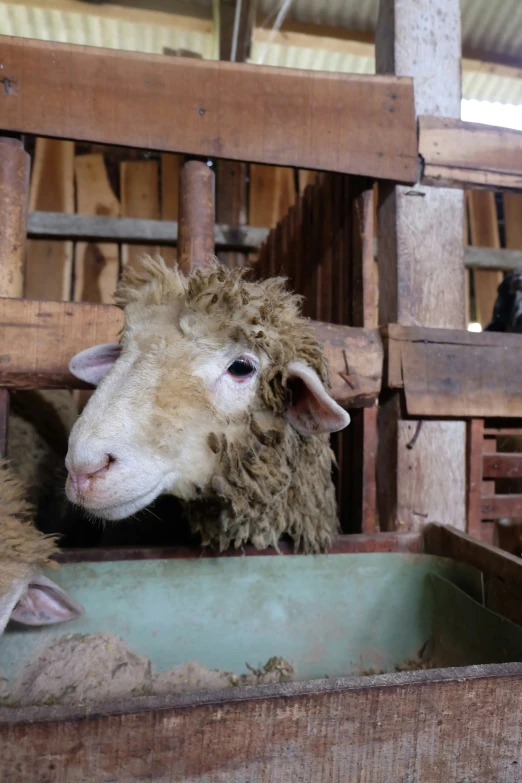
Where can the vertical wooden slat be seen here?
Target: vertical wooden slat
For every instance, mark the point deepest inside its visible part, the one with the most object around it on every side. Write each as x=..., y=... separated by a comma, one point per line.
x=170, y=171
x=272, y=193
x=14, y=197
x=484, y=233
x=48, y=268
x=96, y=266
x=305, y=177
x=474, y=469
x=231, y=203
x=139, y=195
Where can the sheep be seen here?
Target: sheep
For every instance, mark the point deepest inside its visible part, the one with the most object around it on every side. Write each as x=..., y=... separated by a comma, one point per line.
x=25, y=594
x=218, y=394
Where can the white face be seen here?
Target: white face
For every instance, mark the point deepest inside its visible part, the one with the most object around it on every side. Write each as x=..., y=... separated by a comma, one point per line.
x=146, y=429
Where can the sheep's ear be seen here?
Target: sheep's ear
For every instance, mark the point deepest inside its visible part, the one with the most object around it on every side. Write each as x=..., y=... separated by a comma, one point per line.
x=44, y=603
x=311, y=410
x=93, y=364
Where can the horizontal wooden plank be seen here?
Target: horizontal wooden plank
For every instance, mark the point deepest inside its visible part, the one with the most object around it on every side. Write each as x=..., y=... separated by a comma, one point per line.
x=500, y=506
x=366, y=124
x=38, y=339
x=342, y=545
x=96, y=228
x=424, y=726
x=492, y=258
x=500, y=431
x=501, y=465
x=455, y=373
x=465, y=154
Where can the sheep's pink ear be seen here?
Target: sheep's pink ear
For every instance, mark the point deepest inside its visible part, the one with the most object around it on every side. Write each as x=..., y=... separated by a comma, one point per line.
x=93, y=364
x=44, y=603
x=312, y=411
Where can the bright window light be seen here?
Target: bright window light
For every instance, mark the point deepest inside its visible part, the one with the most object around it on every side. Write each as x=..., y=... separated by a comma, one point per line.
x=504, y=114
x=474, y=327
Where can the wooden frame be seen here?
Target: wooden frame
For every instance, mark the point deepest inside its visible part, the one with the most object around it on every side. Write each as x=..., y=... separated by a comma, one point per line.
x=80, y=88
x=323, y=728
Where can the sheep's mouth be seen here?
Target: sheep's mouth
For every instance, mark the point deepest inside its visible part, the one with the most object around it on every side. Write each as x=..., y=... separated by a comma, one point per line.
x=125, y=508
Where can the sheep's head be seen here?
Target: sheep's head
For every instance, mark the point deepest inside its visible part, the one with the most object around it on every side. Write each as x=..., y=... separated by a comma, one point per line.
x=201, y=357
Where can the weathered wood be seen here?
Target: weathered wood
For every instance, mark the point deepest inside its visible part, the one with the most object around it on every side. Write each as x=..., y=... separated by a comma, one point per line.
x=14, y=192
x=466, y=154
x=455, y=373
x=342, y=545
x=474, y=474
x=493, y=258
x=196, y=215
x=271, y=194
x=38, y=339
x=96, y=266
x=170, y=173
x=135, y=231
x=229, y=110
x=502, y=465
x=513, y=225
x=231, y=204
x=420, y=726
x=4, y=422
x=502, y=572
x=48, y=267
x=501, y=506
x=484, y=231
x=421, y=267
x=139, y=194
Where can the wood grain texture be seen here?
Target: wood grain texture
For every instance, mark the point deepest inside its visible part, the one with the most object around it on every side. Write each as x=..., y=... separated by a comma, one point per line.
x=493, y=506
x=466, y=154
x=483, y=223
x=48, y=266
x=513, y=223
x=231, y=204
x=271, y=194
x=14, y=203
x=197, y=214
x=502, y=465
x=421, y=266
x=474, y=474
x=136, y=231
x=38, y=339
x=229, y=110
x=170, y=168
x=415, y=726
x=456, y=373
x=96, y=265
x=4, y=422
x=139, y=194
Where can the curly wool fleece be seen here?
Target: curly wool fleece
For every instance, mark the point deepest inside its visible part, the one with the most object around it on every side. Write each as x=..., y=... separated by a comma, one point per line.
x=273, y=481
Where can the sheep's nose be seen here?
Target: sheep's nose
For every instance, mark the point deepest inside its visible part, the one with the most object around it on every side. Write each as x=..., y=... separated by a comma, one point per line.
x=82, y=478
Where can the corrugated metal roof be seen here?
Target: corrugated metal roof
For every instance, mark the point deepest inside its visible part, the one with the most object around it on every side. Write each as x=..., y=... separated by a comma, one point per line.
x=90, y=29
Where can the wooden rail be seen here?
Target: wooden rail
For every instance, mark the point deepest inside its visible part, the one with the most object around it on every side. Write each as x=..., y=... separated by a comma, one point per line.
x=365, y=124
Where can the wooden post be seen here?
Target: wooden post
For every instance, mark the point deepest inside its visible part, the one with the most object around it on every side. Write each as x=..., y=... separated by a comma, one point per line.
x=196, y=215
x=421, y=472
x=14, y=198
x=14, y=193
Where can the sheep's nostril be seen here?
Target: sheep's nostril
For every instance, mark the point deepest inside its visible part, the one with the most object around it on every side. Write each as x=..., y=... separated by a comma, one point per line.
x=82, y=479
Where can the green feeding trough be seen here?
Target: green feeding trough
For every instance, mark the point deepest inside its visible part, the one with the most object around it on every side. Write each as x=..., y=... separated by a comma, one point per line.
x=327, y=615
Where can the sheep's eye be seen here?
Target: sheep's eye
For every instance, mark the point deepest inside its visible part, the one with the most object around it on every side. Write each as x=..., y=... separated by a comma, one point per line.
x=241, y=368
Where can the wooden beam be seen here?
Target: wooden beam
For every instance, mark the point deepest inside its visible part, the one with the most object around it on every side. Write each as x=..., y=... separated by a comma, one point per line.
x=483, y=224
x=416, y=725
x=236, y=23
x=240, y=237
x=467, y=154
x=421, y=270
x=135, y=231
x=228, y=110
x=197, y=215
x=38, y=339
x=455, y=373
x=501, y=506
x=502, y=465
x=14, y=198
